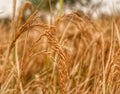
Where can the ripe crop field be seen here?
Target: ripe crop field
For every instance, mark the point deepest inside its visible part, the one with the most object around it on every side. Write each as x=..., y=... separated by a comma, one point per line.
x=73, y=54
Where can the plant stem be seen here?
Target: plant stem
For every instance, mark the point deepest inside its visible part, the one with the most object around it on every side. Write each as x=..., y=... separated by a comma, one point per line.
x=60, y=7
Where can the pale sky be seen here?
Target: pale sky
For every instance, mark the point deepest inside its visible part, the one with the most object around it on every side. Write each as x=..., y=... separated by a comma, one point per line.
x=6, y=7
x=107, y=6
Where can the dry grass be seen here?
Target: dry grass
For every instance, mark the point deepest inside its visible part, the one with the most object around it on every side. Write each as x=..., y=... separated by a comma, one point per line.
x=72, y=55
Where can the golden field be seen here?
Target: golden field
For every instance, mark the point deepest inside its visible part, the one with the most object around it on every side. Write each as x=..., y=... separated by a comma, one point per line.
x=74, y=54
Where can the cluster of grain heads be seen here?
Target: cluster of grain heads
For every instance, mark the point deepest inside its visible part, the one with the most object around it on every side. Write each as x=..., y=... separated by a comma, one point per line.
x=72, y=55
x=48, y=32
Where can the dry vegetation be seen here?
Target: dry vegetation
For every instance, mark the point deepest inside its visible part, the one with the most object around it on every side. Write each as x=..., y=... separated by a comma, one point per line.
x=72, y=55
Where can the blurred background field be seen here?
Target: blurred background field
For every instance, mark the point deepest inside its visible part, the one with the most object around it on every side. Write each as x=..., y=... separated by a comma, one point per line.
x=59, y=46
x=95, y=7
